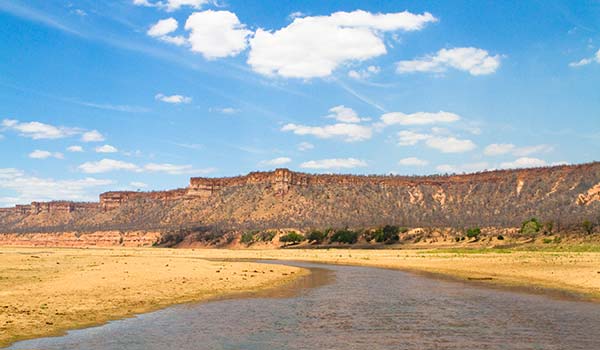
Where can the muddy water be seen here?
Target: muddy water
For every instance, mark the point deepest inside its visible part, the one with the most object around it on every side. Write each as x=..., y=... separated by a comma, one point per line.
x=343, y=307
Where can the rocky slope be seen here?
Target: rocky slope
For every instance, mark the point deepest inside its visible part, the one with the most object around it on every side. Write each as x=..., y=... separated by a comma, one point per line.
x=565, y=195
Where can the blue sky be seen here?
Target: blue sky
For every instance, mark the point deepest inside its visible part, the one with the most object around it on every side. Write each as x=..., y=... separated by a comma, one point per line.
x=143, y=94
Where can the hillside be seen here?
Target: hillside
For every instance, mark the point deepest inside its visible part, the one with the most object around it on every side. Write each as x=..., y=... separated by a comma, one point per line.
x=566, y=195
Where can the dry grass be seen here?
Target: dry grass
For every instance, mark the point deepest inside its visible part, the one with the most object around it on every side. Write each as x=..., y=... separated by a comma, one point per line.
x=46, y=291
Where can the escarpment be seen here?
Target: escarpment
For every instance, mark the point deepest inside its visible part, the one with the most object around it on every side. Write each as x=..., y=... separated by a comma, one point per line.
x=282, y=198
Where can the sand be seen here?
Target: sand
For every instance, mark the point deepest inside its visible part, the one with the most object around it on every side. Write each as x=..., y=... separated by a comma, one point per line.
x=45, y=291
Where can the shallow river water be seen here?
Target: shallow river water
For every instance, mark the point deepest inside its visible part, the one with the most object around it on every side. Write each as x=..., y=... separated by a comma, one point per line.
x=346, y=307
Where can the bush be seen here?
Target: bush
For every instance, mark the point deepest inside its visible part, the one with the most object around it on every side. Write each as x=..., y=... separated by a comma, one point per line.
x=247, y=238
x=547, y=240
x=500, y=237
x=531, y=227
x=344, y=236
x=316, y=236
x=292, y=237
x=266, y=236
x=473, y=232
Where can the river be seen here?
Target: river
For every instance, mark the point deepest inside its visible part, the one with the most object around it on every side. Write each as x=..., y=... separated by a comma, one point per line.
x=348, y=307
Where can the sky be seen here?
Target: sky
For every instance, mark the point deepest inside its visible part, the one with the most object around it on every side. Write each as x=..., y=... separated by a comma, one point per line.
x=143, y=94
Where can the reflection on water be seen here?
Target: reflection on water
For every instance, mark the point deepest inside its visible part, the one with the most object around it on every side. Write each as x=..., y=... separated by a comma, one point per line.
x=361, y=308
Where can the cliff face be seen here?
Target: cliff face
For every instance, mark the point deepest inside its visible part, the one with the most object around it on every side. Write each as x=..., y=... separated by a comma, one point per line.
x=282, y=198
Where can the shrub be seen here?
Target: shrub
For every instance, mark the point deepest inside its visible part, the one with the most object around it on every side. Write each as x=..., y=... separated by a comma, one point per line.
x=247, y=238
x=316, y=236
x=548, y=227
x=344, y=236
x=500, y=237
x=588, y=227
x=531, y=227
x=547, y=240
x=457, y=239
x=473, y=232
x=266, y=236
x=292, y=237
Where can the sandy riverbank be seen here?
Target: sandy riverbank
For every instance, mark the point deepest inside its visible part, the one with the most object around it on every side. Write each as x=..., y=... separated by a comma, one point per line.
x=570, y=273
x=45, y=291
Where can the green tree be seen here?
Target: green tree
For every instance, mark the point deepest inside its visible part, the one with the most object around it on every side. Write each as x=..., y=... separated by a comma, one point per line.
x=316, y=236
x=588, y=227
x=292, y=237
x=247, y=238
x=344, y=236
x=531, y=227
x=473, y=232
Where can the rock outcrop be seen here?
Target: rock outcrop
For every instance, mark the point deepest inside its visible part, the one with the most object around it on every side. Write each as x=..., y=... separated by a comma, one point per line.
x=284, y=198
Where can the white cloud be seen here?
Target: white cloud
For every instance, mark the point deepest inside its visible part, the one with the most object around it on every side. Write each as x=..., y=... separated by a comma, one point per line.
x=216, y=34
x=305, y=146
x=524, y=162
x=314, y=46
x=37, y=130
x=107, y=165
x=413, y=161
x=75, y=149
x=349, y=132
x=410, y=138
x=163, y=27
x=364, y=73
x=334, y=163
x=418, y=118
x=138, y=184
x=92, y=136
x=106, y=149
x=275, y=161
x=224, y=110
x=469, y=59
x=171, y=5
x=496, y=149
x=450, y=144
x=345, y=115
x=464, y=168
x=40, y=154
x=30, y=188
x=586, y=61
x=175, y=99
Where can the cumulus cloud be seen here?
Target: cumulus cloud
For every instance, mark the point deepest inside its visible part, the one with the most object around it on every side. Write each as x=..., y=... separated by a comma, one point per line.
x=496, y=149
x=529, y=150
x=216, y=34
x=334, y=163
x=37, y=130
x=411, y=138
x=418, y=118
x=40, y=154
x=275, y=161
x=345, y=115
x=75, y=149
x=314, y=46
x=305, y=146
x=464, y=168
x=524, y=162
x=107, y=165
x=413, y=161
x=586, y=61
x=450, y=144
x=346, y=131
x=138, y=184
x=28, y=188
x=364, y=73
x=224, y=110
x=106, y=149
x=175, y=99
x=469, y=59
x=171, y=5
x=92, y=136
x=163, y=27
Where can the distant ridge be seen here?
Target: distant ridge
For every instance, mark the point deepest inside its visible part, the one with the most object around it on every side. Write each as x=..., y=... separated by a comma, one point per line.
x=565, y=194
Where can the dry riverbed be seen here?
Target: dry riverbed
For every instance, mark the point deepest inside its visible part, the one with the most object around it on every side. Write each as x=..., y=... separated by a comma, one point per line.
x=46, y=291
